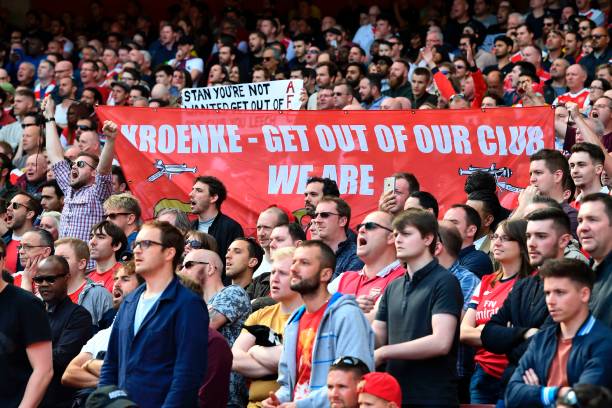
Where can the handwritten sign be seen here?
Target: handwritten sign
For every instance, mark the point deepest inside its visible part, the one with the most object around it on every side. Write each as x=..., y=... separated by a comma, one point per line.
x=276, y=95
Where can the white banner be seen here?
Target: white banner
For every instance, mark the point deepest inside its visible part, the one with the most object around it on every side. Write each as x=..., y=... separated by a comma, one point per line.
x=275, y=95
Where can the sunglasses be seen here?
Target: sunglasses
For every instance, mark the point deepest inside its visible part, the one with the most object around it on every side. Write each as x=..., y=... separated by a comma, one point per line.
x=194, y=243
x=369, y=226
x=190, y=264
x=147, y=243
x=49, y=279
x=25, y=125
x=348, y=361
x=598, y=36
x=81, y=163
x=84, y=128
x=324, y=214
x=114, y=216
x=15, y=206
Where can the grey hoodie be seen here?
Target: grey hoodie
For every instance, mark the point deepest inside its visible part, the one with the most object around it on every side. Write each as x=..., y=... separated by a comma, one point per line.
x=343, y=331
x=96, y=299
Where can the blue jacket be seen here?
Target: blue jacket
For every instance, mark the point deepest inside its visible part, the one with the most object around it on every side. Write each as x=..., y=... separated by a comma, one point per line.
x=164, y=363
x=343, y=331
x=590, y=362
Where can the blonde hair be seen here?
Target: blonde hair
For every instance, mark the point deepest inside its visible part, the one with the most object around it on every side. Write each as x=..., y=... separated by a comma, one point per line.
x=124, y=201
x=282, y=253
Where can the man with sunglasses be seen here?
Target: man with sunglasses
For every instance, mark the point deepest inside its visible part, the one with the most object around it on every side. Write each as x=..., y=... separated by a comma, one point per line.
x=21, y=212
x=71, y=324
x=123, y=210
x=26, y=367
x=160, y=334
x=343, y=379
x=331, y=219
x=602, y=53
x=376, y=248
x=86, y=184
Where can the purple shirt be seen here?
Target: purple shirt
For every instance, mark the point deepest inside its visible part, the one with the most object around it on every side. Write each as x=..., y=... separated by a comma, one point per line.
x=82, y=207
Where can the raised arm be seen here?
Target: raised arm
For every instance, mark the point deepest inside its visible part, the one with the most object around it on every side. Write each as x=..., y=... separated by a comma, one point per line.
x=108, y=152
x=55, y=152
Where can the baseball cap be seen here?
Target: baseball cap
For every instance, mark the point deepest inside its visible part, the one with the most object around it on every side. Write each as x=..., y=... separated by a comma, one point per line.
x=109, y=396
x=381, y=385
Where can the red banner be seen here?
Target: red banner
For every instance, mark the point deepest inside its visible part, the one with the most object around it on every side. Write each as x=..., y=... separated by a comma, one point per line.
x=265, y=157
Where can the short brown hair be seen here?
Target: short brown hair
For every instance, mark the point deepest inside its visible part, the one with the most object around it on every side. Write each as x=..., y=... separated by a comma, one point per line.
x=574, y=269
x=80, y=248
x=171, y=237
x=423, y=220
x=344, y=210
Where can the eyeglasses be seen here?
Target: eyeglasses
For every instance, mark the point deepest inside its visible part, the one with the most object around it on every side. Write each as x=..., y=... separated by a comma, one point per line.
x=324, y=214
x=15, y=206
x=268, y=58
x=146, y=244
x=81, y=163
x=84, y=128
x=190, y=264
x=114, y=216
x=194, y=243
x=338, y=94
x=315, y=52
x=598, y=36
x=369, y=226
x=459, y=66
x=27, y=247
x=596, y=88
x=25, y=125
x=49, y=279
x=583, y=28
x=501, y=238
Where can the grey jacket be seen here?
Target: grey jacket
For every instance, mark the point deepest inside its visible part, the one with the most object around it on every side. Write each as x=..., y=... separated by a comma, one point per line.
x=343, y=331
x=96, y=299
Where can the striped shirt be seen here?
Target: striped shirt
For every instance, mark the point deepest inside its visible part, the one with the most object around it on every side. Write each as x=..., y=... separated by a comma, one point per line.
x=82, y=207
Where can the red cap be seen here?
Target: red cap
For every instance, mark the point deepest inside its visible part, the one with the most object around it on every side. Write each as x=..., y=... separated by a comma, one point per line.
x=381, y=385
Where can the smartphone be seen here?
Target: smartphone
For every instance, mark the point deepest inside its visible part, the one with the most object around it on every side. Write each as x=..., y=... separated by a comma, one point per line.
x=389, y=184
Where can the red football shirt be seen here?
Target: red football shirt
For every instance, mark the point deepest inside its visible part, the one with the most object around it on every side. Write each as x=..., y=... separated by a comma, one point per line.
x=105, y=278
x=487, y=300
x=309, y=325
x=357, y=283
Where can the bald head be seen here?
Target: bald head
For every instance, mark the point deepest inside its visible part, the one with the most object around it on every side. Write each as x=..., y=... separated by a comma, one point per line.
x=63, y=69
x=575, y=76
x=204, y=255
x=390, y=104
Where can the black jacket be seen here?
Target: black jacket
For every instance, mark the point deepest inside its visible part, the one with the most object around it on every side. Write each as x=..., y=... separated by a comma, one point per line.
x=71, y=327
x=225, y=230
x=524, y=308
x=601, y=295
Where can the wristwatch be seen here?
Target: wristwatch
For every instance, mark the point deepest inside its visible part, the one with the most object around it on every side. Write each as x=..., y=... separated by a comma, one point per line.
x=51, y=119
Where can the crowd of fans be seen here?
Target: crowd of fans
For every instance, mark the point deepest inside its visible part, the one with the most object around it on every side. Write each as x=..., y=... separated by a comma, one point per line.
x=409, y=307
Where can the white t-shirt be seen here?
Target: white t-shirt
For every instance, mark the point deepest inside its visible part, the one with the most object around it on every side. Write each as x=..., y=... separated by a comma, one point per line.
x=98, y=343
